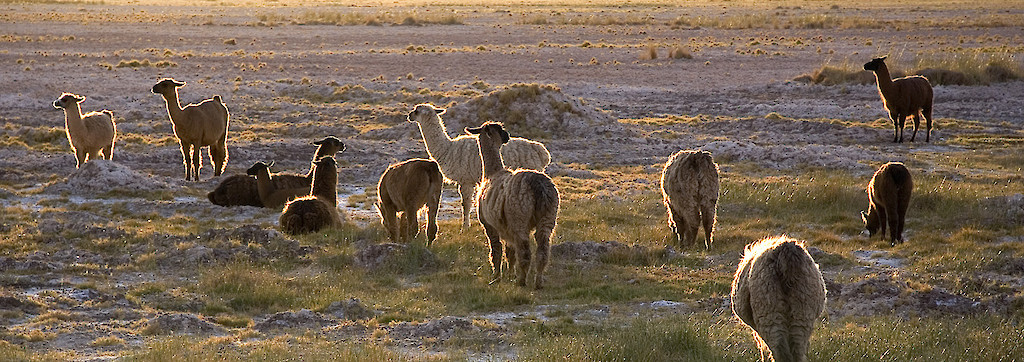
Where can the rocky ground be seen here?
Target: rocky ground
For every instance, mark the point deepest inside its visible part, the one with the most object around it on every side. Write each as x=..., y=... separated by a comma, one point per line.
x=286, y=85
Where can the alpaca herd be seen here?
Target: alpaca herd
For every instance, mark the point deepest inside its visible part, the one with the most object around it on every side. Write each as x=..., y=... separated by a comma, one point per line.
x=777, y=290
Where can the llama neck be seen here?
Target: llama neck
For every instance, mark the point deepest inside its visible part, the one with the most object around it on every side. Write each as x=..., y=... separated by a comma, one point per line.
x=884, y=80
x=73, y=119
x=173, y=106
x=325, y=184
x=490, y=155
x=263, y=183
x=436, y=139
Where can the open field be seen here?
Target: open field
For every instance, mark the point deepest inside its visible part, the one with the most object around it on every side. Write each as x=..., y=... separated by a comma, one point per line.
x=125, y=260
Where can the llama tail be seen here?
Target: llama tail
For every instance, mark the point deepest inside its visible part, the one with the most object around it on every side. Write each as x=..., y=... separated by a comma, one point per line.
x=545, y=195
x=217, y=99
x=790, y=260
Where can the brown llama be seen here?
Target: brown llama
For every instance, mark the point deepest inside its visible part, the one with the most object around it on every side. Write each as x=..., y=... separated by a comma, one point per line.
x=888, y=199
x=903, y=97
x=406, y=188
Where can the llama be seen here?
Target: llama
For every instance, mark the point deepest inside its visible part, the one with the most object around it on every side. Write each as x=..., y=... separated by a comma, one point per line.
x=888, y=199
x=407, y=187
x=197, y=126
x=512, y=203
x=89, y=134
x=459, y=158
x=689, y=188
x=243, y=189
x=903, y=97
x=319, y=209
x=778, y=292
x=270, y=195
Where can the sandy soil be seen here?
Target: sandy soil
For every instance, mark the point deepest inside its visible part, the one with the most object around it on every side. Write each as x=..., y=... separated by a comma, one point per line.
x=275, y=79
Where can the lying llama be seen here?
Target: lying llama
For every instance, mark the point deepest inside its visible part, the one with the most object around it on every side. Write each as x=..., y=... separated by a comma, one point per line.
x=407, y=187
x=89, y=134
x=689, y=188
x=903, y=97
x=197, y=126
x=459, y=158
x=778, y=292
x=511, y=204
x=243, y=189
x=270, y=195
x=888, y=199
x=318, y=210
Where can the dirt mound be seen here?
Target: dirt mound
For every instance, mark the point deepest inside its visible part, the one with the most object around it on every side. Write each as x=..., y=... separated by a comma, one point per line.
x=439, y=329
x=532, y=111
x=611, y=252
x=101, y=176
x=396, y=257
x=181, y=323
x=883, y=294
x=303, y=319
x=350, y=309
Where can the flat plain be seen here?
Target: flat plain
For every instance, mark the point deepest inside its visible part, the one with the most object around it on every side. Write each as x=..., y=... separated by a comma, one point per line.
x=125, y=260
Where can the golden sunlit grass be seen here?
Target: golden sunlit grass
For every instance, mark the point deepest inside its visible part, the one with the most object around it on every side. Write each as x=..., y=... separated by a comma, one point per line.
x=966, y=67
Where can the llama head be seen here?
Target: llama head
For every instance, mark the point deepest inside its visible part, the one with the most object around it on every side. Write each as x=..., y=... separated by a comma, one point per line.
x=875, y=64
x=490, y=130
x=424, y=110
x=328, y=147
x=167, y=85
x=257, y=167
x=870, y=222
x=66, y=99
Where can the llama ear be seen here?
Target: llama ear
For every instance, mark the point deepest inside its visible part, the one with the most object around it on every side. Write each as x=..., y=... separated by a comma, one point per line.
x=883, y=57
x=864, y=217
x=474, y=130
x=439, y=111
x=178, y=84
x=504, y=136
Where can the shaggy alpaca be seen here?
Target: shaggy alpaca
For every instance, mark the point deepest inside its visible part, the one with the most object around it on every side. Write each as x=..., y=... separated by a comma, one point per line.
x=197, y=126
x=903, y=97
x=888, y=199
x=512, y=203
x=459, y=158
x=689, y=188
x=270, y=195
x=407, y=187
x=243, y=189
x=88, y=134
x=319, y=210
x=778, y=292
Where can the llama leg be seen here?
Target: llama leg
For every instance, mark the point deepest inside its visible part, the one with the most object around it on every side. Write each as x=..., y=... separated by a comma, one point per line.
x=895, y=126
x=414, y=224
x=79, y=158
x=431, y=222
x=543, y=238
x=466, y=192
x=108, y=152
x=707, y=216
x=894, y=229
x=882, y=223
x=219, y=156
x=927, y=112
x=917, y=122
x=197, y=161
x=901, y=218
x=690, y=226
x=186, y=159
x=403, y=228
x=674, y=223
x=495, y=242
x=510, y=257
x=903, y=124
x=522, y=242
